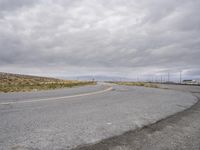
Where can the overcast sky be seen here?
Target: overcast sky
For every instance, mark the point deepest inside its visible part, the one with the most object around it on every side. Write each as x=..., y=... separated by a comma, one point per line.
x=100, y=37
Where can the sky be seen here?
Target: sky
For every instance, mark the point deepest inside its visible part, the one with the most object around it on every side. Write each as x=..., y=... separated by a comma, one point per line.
x=127, y=38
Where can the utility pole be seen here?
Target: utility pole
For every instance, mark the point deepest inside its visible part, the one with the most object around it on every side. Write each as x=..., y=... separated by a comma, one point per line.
x=180, y=77
x=168, y=76
x=161, y=79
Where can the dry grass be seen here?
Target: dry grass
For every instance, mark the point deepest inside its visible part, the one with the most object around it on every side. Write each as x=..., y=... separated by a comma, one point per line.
x=145, y=84
x=15, y=83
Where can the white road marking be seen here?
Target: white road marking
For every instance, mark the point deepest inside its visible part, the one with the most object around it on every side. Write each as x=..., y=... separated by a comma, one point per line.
x=58, y=98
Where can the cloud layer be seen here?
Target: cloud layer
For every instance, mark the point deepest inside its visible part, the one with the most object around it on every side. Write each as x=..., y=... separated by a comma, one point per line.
x=116, y=37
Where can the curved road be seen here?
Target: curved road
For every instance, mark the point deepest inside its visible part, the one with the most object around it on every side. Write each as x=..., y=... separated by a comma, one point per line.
x=67, y=118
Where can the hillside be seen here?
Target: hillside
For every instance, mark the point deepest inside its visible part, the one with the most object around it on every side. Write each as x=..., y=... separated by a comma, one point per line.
x=16, y=82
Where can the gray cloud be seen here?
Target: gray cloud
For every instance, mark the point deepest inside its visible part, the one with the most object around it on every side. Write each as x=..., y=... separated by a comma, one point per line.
x=10, y=5
x=100, y=37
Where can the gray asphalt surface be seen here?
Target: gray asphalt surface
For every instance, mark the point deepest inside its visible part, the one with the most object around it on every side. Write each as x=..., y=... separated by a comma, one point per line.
x=180, y=131
x=67, y=123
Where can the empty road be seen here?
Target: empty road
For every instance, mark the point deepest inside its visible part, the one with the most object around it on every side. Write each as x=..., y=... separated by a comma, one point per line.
x=67, y=118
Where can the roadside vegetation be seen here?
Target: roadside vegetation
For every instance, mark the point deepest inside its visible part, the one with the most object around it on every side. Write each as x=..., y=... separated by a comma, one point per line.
x=16, y=83
x=145, y=84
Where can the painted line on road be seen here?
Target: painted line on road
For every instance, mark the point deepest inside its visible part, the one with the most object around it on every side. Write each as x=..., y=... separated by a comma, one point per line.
x=58, y=98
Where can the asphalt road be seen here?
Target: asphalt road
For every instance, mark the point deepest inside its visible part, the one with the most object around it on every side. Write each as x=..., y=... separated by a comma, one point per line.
x=180, y=131
x=67, y=118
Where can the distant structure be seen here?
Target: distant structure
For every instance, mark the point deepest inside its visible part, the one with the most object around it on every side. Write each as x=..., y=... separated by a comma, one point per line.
x=191, y=82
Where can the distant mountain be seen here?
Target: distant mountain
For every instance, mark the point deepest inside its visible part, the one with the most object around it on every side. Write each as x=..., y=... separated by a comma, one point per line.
x=99, y=78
